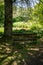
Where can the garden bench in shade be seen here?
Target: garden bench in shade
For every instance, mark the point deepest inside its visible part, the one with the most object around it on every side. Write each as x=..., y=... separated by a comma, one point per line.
x=25, y=37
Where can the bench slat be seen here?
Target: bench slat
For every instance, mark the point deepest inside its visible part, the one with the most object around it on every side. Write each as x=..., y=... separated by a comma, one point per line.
x=25, y=37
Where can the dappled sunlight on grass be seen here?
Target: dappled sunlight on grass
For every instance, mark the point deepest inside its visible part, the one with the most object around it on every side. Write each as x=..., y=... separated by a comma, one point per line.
x=25, y=27
x=20, y=54
x=30, y=25
x=1, y=29
x=27, y=24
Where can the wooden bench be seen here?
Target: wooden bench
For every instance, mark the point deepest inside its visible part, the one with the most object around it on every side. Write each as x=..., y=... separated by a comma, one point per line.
x=25, y=37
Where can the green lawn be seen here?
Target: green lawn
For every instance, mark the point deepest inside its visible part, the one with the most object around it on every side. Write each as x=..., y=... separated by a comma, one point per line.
x=1, y=29
x=25, y=27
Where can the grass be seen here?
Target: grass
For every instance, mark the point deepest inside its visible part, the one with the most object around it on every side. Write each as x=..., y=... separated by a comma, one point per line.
x=26, y=27
x=29, y=26
x=1, y=29
x=20, y=54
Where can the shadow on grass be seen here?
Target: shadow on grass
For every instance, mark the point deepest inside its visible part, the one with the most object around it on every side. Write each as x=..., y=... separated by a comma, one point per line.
x=20, y=53
x=1, y=34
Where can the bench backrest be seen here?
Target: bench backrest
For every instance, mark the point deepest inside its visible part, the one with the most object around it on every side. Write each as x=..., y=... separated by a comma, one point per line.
x=25, y=37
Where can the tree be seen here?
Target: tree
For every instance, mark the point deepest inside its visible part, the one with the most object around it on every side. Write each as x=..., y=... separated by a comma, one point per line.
x=8, y=18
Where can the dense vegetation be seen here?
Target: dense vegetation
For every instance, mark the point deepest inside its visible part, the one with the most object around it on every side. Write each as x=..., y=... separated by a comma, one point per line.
x=24, y=20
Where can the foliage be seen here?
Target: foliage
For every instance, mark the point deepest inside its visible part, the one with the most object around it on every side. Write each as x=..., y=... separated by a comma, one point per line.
x=39, y=12
x=1, y=14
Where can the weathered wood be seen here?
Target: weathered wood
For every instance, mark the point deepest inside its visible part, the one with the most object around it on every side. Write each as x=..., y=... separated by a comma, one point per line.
x=25, y=37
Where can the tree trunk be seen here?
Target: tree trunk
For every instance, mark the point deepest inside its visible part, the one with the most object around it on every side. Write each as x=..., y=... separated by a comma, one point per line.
x=8, y=18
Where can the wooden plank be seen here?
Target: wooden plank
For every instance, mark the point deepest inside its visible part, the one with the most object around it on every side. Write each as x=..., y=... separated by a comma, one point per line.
x=24, y=37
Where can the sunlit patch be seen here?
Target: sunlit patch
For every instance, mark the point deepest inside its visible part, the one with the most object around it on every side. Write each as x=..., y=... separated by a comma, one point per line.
x=34, y=49
x=14, y=63
x=30, y=53
x=41, y=60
